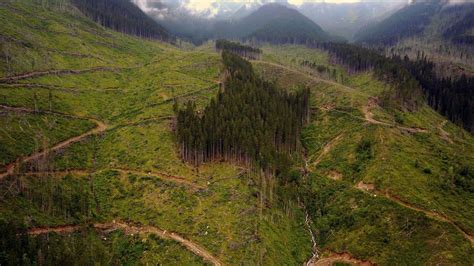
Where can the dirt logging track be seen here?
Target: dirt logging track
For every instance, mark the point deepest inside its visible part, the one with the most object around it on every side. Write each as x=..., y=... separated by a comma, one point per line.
x=130, y=229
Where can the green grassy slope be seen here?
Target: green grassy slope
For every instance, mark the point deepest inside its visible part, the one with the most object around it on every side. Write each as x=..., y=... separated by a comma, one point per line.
x=131, y=171
x=23, y=133
x=416, y=209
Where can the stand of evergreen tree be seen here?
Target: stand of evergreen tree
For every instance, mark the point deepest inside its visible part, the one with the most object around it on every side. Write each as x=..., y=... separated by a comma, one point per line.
x=122, y=16
x=237, y=48
x=406, y=92
x=250, y=121
x=413, y=81
x=451, y=97
x=458, y=33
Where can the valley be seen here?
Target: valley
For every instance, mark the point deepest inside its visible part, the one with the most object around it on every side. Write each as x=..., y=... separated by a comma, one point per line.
x=91, y=169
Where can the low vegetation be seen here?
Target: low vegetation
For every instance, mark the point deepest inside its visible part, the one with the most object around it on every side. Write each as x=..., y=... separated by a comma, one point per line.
x=377, y=184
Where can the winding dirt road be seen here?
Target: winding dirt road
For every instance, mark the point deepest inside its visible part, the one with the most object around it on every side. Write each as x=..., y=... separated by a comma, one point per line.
x=370, y=189
x=369, y=117
x=327, y=148
x=101, y=127
x=443, y=133
x=132, y=229
x=341, y=257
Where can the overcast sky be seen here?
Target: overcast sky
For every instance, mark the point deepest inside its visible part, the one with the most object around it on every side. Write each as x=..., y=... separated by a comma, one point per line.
x=201, y=5
x=204, y=4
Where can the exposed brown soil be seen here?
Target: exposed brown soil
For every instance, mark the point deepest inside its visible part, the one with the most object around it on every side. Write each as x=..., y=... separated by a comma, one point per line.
x=10, y=169
x=327, y=148
x=132, y=229
x=344, y=257
x=63, y=229
x=370, y=188
x=443, y=133
x=335, y=175
x=365, y=186
x=369, y=117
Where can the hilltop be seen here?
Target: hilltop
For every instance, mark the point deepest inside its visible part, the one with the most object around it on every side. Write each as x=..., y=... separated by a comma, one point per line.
x=279, y=24
x=270, y=22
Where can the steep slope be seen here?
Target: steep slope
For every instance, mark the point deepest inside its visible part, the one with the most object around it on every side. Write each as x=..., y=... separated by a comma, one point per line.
x=428, y=19
x=462, y=31
x=269, y=22
x=118, y=160
x=114, y=190
x=385, y=186
x=408, y=21
x=435, y=35
x=445, y=41
x=122, y=16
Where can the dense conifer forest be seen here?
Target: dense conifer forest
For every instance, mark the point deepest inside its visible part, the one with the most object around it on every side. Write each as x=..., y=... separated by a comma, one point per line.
x=408, y=21
x=237, y=48
x=457, y=32
x=453, y=97
x=250, y=121
x=122, y=16
x=406, y=91
x=413, y=81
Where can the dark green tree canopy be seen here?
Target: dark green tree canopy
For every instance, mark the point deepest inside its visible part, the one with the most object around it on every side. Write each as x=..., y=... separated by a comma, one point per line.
x=250, y=121
x=122, y=16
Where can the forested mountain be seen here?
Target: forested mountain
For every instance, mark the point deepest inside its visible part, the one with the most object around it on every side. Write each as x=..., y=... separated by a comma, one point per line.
x=438, y=19
x=462, y=31
x=276, y=23
x=406, y=22
x=341, y=19
x=279, y=24
x=122, y=16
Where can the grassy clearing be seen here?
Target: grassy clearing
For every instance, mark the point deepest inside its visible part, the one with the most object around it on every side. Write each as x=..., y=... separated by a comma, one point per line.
x=135, y=100
x=22, y=134
x=225, y=217
x=421, y=169
x=380, y=230
x=88, y=247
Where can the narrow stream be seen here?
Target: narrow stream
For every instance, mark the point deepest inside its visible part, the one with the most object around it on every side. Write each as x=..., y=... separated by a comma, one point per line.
x=315, y=256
